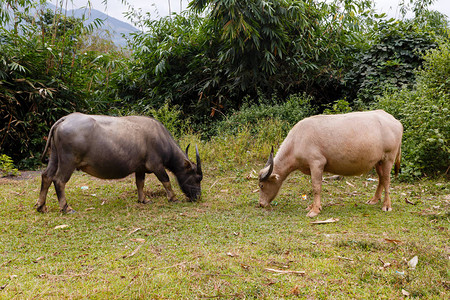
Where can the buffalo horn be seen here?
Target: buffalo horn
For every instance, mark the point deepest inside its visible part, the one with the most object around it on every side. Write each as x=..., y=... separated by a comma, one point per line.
x=268, y=168
x=187, y=151
x=199, y=165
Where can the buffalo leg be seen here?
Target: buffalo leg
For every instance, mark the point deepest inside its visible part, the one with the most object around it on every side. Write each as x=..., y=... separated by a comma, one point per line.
x=164, y=178
x=379, y=191
x=60, y=188
x=386, y=181
x=63, y=174
x=316, y=180
x=140, y=179
x=46, y=181
x=383, y=169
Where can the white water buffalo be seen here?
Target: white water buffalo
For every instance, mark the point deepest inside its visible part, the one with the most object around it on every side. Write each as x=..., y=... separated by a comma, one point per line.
x=114, y=147
x=346, y=144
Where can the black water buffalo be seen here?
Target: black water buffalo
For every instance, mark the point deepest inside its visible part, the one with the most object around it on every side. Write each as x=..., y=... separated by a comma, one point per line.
x=112, y=148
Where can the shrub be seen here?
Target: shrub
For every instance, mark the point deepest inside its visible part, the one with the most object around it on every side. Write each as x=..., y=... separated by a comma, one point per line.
x=254, y=116
x=390, y=61
x=424, y=113
x=7, y=167
x=170, y=116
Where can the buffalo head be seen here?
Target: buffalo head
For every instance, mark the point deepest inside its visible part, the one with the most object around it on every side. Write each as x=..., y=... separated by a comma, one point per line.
x=190, y=177
x=269, y=183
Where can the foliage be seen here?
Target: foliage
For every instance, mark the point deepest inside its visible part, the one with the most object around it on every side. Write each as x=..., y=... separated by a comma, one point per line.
x=424, y=112
x=44, y=75
x=255, y=116
x=170, y=116
x=7, y=166
x=338, y=107
x=390, y=61
x=208, y=60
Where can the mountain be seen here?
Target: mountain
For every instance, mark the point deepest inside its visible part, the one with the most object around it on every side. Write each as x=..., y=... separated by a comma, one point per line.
x=113, y=26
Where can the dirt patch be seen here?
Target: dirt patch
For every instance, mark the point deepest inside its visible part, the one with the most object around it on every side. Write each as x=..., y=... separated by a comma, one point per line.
x=24, y=175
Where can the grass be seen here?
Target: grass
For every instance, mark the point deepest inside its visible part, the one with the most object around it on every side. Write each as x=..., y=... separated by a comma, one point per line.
x=222, y=246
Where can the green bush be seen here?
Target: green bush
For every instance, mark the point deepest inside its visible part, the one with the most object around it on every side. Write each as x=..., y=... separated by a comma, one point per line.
x=390, y=61
x=170, y=116
x=425, y=114
x=254, y=116
x=7, y=166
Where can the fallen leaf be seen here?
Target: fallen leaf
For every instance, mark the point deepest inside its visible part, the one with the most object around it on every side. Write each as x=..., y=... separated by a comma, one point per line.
x=333, y=177
x=331, y=220
x=134, y=230
x=350, y=184
x=405, y=293
x=252, y=175
x=385, y=264
x=285, y=271
x=138, y=240
x=413, y=262
x=89, y=208
x=39, y=258
x=393, y=241
x=61, y=226
x=232, y=254
x=409, y=202
x=345, y=258
x=295, y=291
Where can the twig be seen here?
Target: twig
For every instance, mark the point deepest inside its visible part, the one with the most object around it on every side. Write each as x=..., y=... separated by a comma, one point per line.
x=285, y=271
x=344, y=258
x=175, y=265
x=220, y=179
x=216, y=274
x=231, y=296
x=133, y=253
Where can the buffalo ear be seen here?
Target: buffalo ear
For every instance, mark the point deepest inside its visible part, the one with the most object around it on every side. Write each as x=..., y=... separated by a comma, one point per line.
x=187, y=164
x=268, y=168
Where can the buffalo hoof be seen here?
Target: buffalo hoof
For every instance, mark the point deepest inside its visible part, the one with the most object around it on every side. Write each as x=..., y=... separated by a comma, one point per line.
x=173, y=200
x=312, y=213
x=373, y=201
x=146, y=202
x=68, y=210
x=42, y=208
x=386, y=208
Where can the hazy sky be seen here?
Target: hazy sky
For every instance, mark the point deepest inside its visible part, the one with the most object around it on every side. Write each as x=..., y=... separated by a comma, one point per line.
x=116, y=8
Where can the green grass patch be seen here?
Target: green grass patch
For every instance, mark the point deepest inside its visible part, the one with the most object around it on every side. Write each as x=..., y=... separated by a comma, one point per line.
x=224, y=246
